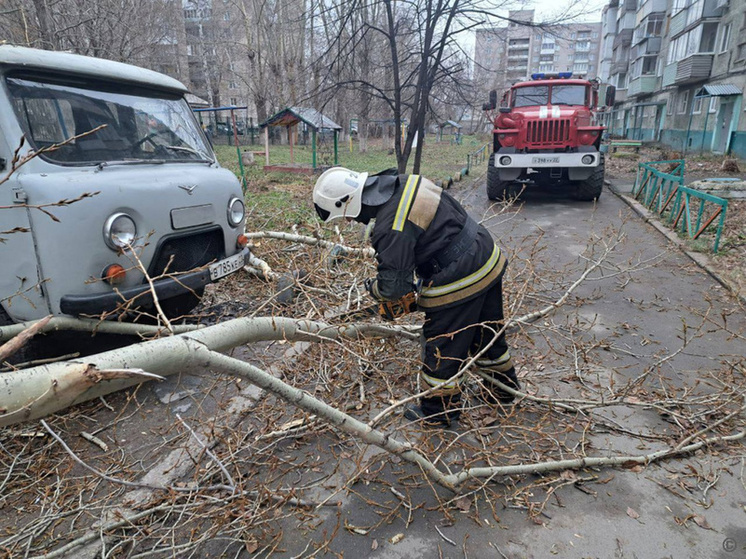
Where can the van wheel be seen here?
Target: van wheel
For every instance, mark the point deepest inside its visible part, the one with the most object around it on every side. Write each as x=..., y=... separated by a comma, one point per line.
x=5, y=319
x=497, y=189
x=591, y=188
x=181, y=305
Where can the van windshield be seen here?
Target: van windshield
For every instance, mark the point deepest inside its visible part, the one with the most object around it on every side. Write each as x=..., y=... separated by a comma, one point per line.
x=134, y=127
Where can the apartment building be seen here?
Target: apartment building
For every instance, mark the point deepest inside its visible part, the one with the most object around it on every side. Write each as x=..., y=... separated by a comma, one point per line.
x=512, y=52
x=680, y=72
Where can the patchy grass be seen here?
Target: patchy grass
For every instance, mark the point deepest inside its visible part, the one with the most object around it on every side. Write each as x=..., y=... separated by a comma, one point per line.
x=278, y=201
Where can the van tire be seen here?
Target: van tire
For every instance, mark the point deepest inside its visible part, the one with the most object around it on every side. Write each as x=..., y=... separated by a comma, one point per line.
x=496, y=189
x=181, y=305
x=591, y=188
x=5, y=319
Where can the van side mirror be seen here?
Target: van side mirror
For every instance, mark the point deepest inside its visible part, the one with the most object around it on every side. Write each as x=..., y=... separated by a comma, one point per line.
x=610, y=95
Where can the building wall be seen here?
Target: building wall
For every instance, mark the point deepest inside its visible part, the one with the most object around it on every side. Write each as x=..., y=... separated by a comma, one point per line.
x=702, y=50
x=511, y=53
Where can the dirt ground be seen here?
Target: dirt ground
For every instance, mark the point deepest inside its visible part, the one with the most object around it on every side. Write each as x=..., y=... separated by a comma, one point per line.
x=730, y=261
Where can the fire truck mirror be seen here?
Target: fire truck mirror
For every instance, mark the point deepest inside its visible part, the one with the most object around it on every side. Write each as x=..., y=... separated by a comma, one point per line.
x=493, y=98
x=610, y=95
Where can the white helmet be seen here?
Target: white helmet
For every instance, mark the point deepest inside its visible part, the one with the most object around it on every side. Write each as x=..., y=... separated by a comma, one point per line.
x=339, y=193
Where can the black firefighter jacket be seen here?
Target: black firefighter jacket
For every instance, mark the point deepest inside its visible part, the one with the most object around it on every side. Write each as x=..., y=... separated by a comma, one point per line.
x=418, y=222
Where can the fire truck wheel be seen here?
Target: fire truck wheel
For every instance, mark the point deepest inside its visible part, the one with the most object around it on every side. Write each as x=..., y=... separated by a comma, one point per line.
x=496, y=189
x=590, y=189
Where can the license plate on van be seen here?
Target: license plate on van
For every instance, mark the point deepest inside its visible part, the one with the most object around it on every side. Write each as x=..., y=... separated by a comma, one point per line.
x=226, y=267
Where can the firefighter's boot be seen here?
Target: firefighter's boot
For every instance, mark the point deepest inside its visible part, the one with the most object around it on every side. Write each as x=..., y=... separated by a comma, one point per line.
x=436, y=411
x=501, y=370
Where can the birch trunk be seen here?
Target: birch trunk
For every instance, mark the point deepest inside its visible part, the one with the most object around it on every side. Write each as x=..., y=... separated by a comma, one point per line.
x=39, y=391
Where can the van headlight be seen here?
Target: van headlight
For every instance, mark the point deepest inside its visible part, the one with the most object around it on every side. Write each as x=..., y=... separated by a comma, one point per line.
x=119, y=231
x=235, y=212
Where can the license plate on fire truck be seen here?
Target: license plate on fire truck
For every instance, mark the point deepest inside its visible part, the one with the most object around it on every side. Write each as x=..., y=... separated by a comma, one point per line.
x=545, y=160
x=226, y=267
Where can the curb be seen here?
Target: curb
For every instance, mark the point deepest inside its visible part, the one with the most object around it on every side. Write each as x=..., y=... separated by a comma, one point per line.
x=697, y=257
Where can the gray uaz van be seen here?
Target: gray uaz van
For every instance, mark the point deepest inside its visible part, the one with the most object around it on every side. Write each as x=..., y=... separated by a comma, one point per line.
x=157, y=199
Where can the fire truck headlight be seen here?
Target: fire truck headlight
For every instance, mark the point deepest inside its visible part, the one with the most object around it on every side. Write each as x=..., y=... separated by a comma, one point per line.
x=505, y=160
x=587, y=159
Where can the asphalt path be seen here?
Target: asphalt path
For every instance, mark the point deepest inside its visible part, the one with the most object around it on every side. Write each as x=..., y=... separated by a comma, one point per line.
x=651, y=297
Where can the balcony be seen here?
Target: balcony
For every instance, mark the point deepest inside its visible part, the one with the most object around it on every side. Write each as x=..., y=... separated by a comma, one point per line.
x=688, y=18
x=619, y=67
x=620, y=96
x=624, y=38
x=650, y=7
x=647, y=46
x=642, y=85
x=669, y=75
x=693, y=68
x=678, y=23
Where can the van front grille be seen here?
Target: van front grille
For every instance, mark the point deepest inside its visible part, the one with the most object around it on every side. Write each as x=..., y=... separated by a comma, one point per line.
x=186, y=252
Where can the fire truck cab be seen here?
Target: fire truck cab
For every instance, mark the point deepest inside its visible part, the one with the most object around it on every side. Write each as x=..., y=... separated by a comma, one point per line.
x=545, y=133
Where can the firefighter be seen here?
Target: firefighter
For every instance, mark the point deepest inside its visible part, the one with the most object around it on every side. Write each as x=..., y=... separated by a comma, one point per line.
x=422, y=232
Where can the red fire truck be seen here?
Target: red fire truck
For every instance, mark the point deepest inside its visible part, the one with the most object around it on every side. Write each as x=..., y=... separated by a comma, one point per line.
x=545, y=133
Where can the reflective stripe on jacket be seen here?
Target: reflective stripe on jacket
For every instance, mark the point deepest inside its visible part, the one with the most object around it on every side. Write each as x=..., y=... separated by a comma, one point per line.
x=418, y=222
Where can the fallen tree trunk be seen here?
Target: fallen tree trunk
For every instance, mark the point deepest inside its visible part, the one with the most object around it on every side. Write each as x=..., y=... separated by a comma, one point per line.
x=39, y=391
x=65, y=323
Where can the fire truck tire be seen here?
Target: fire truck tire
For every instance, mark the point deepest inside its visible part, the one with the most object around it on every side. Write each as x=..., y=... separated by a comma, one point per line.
x=496, y=189
x=591, y=188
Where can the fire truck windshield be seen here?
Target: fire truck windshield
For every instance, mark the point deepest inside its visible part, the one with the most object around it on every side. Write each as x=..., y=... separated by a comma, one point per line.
x=531, y=95
x=568, y=95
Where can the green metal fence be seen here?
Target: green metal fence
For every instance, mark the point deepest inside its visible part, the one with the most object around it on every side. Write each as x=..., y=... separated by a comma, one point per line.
x=664, y=193
x=476, y=157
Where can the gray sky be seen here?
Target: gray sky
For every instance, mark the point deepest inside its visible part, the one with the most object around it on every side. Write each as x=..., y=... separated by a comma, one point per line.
x=545, y=9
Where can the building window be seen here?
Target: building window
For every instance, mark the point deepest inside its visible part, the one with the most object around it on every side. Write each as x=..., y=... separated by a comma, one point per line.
x=683, y=102
x=594, y=35
x=741, y=53
x=190, y=13
x=190, y=50
x=570, y=57
x=697, y=106
x=713, y=104
x=580, y=68
x=233, y=85
x=725, y=38
x=227, y=16
x=234, y=101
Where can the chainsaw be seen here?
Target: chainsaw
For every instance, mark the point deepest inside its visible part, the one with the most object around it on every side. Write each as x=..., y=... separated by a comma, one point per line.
x=388, y=310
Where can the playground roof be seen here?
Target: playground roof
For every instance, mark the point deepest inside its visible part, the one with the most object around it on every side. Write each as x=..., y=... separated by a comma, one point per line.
x=294, y=115
x=195, y=101
x=450, y=123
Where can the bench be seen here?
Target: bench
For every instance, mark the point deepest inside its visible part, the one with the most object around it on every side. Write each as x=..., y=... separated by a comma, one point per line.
x=615, y=144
